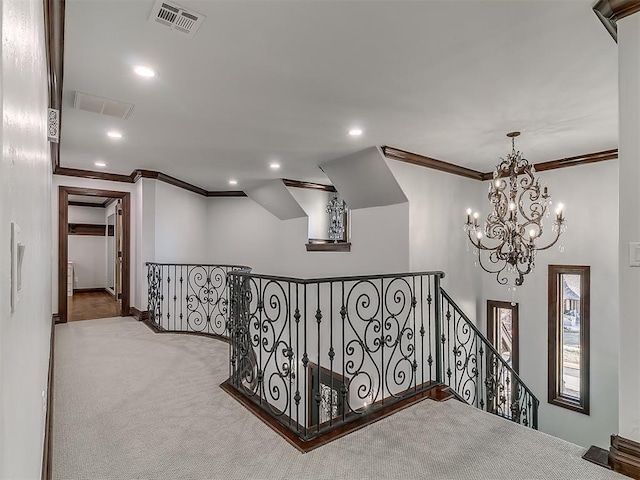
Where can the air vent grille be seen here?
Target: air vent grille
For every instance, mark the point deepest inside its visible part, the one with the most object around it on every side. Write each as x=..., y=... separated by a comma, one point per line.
x=176, y=17
x=102, y=106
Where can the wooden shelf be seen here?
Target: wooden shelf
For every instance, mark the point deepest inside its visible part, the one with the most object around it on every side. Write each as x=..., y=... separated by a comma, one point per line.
x=328, y=246
x=87, y=229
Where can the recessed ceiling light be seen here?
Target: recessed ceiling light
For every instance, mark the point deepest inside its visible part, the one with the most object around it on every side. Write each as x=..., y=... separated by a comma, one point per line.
x=233, y=182
x=114, y=134
x=100, y=164
x=274, y=165
x=355, y=132
x=144, y=71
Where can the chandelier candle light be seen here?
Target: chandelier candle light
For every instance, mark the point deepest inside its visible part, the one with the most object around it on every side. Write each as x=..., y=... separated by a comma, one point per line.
x=519, y=207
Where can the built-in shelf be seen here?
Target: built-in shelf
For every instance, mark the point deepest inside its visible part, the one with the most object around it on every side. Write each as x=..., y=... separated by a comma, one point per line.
x=92, y=229
x=316, y=245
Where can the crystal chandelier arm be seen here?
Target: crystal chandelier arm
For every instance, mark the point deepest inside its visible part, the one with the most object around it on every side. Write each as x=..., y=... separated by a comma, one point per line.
x=559, y=228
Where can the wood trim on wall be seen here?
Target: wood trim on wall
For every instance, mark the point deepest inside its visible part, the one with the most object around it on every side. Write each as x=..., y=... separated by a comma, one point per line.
x=314, y=186
x=63, y=245
x=47, y=451
x=624, y=456
x=423, y=161
x=515, y=337
x=554, y=344
x=610, y=11
x=73, y=203
x=88, y=229
x=54, y=14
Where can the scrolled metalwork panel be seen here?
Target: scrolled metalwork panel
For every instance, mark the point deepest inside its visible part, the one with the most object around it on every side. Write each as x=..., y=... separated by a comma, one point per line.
x=478, y=373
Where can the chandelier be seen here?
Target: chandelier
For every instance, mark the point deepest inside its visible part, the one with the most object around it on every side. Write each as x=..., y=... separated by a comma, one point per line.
x=515, y=225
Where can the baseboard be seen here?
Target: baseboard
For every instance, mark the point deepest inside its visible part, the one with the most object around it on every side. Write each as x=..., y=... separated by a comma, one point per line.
x=624, y=456
x=141, y=316
x=90, y=290
x=48, y=436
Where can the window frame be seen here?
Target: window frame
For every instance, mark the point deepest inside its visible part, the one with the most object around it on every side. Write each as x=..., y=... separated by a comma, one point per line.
x=555, y=314
x=515, y=337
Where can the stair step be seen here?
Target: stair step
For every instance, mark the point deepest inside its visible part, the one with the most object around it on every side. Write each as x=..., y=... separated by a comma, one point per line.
x=441, y=393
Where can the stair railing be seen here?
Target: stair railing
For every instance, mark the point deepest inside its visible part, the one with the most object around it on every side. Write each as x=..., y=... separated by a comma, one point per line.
x=191, y=298
x=476, y=371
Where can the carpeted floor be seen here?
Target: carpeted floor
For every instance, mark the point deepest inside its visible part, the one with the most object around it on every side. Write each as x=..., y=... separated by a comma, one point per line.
x=131, y=404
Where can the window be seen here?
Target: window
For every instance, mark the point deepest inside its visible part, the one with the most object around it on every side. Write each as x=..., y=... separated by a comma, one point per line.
x=569, y=337
x=502, y=330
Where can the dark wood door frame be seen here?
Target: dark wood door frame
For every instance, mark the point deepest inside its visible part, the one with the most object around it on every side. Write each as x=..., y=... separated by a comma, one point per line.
x=63, y=246
x=491, y=328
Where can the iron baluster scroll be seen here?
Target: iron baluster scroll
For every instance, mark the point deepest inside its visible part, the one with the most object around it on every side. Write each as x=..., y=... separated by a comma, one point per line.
x=189, y=298
x=477, y=372
x=317, y=354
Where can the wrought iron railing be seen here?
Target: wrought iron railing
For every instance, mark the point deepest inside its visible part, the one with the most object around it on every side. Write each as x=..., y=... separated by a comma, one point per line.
x=316, y=354
x=189, y=298
x=478, y=374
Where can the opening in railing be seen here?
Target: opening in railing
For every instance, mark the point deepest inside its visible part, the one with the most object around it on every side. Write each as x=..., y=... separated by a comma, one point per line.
x=189, y=298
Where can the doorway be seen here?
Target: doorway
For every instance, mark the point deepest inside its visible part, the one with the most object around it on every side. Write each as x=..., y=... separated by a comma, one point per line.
x=94, y=279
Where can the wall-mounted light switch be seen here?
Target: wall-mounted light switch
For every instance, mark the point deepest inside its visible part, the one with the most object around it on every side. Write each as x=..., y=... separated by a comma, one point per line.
x=634, y=254
x=17, y=254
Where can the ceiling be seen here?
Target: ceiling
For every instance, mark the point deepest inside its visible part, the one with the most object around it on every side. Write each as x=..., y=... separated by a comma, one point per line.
x=285, y=80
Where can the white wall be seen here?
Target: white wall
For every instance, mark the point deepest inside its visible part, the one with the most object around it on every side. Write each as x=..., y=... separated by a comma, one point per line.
x=25, y=196
x=88, y=252
x=180, y=225
x=314, y=203
x=242, y=232
x=437, y=204
x=590, y=196
x=629, y=104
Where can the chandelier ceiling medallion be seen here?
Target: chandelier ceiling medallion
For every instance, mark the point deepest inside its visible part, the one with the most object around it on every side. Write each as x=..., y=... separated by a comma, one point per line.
x=515, y=225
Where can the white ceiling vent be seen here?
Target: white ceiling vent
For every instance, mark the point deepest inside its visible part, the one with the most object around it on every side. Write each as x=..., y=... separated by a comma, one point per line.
x=176, y=17
x=103, y=106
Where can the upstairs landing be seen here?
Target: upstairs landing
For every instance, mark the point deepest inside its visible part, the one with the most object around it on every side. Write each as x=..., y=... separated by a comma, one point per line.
x=130, y=403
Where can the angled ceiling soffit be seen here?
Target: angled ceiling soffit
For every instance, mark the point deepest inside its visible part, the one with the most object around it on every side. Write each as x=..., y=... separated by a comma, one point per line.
x=363, y=179
x=273, y=196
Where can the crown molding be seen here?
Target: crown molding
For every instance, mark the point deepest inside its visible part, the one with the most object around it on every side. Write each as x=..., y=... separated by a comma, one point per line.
x=610, y=11
x=428, y=162
x=311, y=185
x=423, y=161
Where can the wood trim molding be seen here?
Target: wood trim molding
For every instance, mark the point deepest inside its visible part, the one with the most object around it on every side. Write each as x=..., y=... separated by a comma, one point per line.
x=54, y=14
x=47, y=451
x=610, y=11
x=423, y=161
x=139, y=315
x=624, y=456
x=417, y=159
x=314, y=186
x=226, y=193
x=515, y=326
x=90, y=290
x=577, y=160
x=88, y=229
x=358, y=423
x=554, y=338
x=63, y=246
x=328, y=246
x=73, y=203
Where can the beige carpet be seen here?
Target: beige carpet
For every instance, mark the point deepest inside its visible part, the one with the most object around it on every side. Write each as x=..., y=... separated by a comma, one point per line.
x=131, y=404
